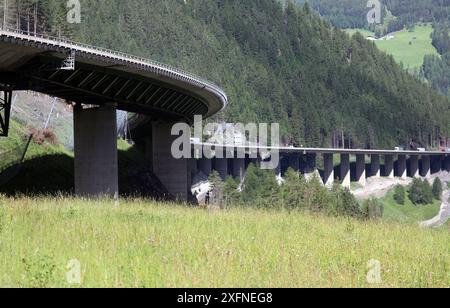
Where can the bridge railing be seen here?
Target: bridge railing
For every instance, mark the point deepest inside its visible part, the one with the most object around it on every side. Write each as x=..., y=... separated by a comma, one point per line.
x=65, y=43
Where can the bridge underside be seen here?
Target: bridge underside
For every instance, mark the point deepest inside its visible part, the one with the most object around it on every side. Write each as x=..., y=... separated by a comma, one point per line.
x=92, y=85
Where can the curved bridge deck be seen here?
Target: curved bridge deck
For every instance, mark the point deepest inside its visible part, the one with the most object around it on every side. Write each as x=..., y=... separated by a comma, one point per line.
x=104, y=76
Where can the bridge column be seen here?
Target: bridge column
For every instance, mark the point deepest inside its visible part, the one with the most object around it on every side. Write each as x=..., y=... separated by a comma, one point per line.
x=389, y=166
x=294, y=161
x=173, y=173
x=436, y=164
x=447, y=163
x=425, y=168
x=361, y=169
x=311, y=163
x=401, y=167
x=221, y=166
x=414, y=166
x=328, y=170
x=205, y=166
x=239, y=168
x=345, y=170
x=375, y=166
x=95, y=140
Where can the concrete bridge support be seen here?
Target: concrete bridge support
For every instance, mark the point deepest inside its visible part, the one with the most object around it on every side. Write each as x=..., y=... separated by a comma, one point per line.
x=425, y=166
x=436, y=164
x=414, y=166
x=95, y=137
x=205, y=166
x=446, y=166
x=401, y=167
x=239, y=168
x=221, y=166
x=173, y=173
x=328, y=171
x=294, y=161
x=375, y=166
x=311, y=163
x=361, y=169
x=345, y=170
x=389, y=166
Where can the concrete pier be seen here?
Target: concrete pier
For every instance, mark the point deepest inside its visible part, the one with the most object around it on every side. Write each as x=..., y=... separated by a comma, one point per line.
x=436, y=164
x=95, y=138
x=328, y=170
x=389, y=166
x=375, y=166
x=345, y=170
x=446, y=166
x=239, y=168
x=361, y=169
x=425, y=166
x=221, y=166
x=294, y=161
x=401, y=167
x=173, y=173
x=205, y=166
x=414, y=166
x=311, y=163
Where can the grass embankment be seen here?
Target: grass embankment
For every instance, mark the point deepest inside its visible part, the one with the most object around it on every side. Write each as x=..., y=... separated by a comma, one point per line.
x=407, y=47
x=141, y=244
x=408, y=213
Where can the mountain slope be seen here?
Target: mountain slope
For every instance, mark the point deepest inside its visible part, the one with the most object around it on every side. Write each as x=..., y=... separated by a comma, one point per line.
x=277, y=65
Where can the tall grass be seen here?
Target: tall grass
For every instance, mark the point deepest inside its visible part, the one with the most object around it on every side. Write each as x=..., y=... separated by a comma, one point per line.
x=144, y=244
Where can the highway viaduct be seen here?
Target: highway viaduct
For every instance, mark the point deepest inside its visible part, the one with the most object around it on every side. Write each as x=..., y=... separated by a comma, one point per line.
x=353, y=165
x=100, y=81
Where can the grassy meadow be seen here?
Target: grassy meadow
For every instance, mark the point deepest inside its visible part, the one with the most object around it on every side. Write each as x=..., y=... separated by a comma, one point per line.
x=407, y=47
x=140, y=243
x=408, y=213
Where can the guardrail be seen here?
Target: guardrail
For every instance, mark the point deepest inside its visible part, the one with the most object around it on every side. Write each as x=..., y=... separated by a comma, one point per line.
x=72, y=45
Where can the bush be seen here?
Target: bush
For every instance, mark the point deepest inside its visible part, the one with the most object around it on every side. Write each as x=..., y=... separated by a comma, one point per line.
x=437, y=189
x=346, y=203
x=400, y=195
x=420, y=192
x=373, y=209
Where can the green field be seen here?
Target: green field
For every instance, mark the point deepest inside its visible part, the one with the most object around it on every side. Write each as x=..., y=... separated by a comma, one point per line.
x=408, y=213
x=407, y=47
x=143, y=244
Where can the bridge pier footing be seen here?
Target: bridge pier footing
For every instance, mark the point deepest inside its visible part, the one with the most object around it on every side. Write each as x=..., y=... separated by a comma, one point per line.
x=425, y=168
x=414, y=166
x=328, y=170
x=361, y=169
x=375, y=166
x=389, y=166
x=95, y=139
x=401, y=167
x=345, y=170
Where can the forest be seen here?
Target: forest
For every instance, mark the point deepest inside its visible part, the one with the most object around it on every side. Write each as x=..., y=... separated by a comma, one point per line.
x=277, y=63
x=396, y=14
x=436, y=69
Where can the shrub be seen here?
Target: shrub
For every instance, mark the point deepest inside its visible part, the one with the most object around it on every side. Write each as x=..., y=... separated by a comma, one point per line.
x=420, y=192
x=373, y=209
x=437, y=189
x=400, y=195
x=346, y=203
